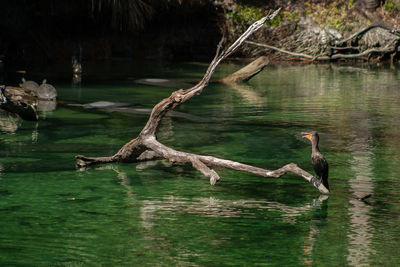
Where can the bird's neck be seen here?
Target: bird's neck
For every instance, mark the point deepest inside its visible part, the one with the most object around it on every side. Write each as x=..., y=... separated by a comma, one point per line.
x=315, y=148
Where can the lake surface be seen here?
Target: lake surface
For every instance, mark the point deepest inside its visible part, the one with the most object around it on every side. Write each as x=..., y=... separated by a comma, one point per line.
x=159, y=214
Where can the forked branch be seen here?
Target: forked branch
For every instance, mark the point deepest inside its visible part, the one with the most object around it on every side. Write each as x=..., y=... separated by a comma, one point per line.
x=146, y=146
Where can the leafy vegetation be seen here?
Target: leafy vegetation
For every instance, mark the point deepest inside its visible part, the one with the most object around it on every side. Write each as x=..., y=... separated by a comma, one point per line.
x=390, y=6
x=243, y=16
x=332, y=15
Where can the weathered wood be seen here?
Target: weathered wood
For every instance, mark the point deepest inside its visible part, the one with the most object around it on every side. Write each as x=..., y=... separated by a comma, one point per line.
x=147, y=147
x=20, y=102
x=363, y=55
x=247, y=72
x=337, y=49
x=300, y=55
x=365, y=30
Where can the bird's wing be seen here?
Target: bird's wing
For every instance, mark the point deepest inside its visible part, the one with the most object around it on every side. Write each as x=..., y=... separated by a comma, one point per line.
x=321, y=167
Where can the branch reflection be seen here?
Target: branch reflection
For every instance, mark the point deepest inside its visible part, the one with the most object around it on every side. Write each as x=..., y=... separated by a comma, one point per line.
x=162, y=208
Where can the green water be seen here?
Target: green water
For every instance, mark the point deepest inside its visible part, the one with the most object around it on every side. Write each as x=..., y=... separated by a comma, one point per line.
x=158, y=214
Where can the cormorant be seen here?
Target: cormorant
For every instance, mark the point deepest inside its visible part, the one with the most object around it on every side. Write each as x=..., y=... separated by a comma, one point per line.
x=319, y=162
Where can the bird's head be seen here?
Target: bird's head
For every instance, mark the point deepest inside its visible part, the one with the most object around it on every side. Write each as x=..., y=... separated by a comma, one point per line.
x=312, y=136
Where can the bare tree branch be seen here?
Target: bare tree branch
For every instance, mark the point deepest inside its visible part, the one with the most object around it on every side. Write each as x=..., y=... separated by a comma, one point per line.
x=336, y=50
x=364, y=54
x=199, y=165
x=146, y=146
x=301, y=55
x=366, y=29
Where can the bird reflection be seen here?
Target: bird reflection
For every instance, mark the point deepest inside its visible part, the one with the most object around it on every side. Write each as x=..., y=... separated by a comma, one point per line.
x=319, y=216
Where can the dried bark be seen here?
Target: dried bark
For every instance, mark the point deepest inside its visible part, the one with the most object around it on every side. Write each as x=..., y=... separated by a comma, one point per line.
x=147, y=147
x=363, y=55
x=376, y=39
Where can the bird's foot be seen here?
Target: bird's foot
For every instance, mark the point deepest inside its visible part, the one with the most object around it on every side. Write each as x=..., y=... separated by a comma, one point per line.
x=315, y=181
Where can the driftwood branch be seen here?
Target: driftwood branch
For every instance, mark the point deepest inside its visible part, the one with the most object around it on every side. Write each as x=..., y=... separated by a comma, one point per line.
x=336, y=50
x=283, y=51
x=365, y=30
x=147, y=147
x=206, y=171
x=247, y=72
x=363, y=54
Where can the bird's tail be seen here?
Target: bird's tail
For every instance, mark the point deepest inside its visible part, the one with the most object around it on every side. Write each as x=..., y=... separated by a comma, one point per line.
x=325, y=182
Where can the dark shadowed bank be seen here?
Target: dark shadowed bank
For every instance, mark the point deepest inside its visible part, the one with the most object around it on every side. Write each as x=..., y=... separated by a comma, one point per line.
x=42, y=32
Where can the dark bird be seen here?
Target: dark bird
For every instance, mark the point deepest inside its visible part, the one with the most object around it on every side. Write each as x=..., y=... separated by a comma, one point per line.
x=319, y=162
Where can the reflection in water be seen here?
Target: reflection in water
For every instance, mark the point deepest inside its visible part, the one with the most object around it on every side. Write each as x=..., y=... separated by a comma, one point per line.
x=313, y=234
x=46, y=106
x=35, y=133
x=141, y=166
x=76, y=80
x=361, y=228
x=213, y=207
x=251, y=96
x=217, y=208
x=157, y=218
x=308, y=246
x=124, y=179
x=8, y=122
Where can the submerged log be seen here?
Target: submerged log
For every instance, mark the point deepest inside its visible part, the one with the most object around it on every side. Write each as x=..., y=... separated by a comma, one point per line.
x=146, y=146
x=242, y=75
x=247, y=72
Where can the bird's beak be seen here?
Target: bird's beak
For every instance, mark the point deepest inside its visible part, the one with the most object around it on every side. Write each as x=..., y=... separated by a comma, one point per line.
x=308, y=136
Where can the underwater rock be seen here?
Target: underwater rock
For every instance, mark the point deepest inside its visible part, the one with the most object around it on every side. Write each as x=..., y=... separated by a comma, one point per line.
x=106, y=104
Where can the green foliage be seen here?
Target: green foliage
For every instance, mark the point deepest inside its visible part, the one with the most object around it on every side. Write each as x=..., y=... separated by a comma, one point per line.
x=288, y=16
x=331, y=15
x=350, y=4
x=390, y=6
x=243, y=16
